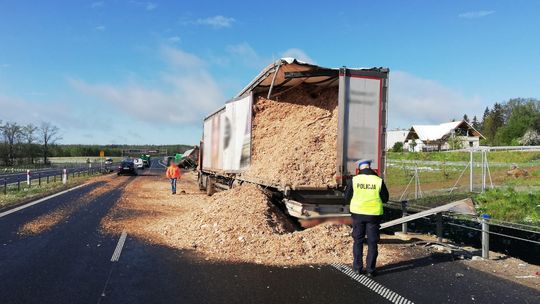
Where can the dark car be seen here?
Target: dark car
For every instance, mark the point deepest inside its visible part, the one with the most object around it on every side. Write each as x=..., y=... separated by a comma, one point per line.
x=127, y=167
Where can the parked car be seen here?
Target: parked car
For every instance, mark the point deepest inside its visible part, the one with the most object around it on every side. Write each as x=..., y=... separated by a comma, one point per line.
x=139, y=164
x=108, y=161
x=127, y=167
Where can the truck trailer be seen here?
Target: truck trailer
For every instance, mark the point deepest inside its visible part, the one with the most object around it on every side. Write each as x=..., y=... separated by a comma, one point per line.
x=298, y=130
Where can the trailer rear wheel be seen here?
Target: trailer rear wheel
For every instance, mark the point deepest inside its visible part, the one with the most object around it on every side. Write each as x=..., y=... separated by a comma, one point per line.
x=210, y=186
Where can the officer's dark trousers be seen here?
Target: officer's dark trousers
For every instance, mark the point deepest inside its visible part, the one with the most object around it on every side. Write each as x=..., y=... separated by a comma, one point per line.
x=362, y=225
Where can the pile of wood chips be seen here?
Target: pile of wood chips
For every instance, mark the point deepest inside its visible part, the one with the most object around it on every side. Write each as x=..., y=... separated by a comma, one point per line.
x=294, y=138
x=239, y=225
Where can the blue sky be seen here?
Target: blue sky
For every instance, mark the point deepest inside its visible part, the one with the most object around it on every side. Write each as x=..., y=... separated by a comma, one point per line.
x=140, y=72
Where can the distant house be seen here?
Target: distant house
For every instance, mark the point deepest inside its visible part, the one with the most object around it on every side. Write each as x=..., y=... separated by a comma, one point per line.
x=394, y=136
x=446, y=136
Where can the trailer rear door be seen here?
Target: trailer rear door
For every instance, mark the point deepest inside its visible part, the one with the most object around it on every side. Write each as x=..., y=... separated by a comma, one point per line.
x=362, y=119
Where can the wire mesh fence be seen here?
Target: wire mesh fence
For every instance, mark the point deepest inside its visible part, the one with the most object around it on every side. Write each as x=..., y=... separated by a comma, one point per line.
x=420, y=175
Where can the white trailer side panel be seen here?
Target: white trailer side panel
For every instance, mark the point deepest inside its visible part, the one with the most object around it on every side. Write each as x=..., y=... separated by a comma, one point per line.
x=237, y=134
x=227, y=137
x=212, y=157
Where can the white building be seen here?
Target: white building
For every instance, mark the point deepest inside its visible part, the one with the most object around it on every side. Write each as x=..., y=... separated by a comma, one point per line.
x=446, y=136
x=394, y=136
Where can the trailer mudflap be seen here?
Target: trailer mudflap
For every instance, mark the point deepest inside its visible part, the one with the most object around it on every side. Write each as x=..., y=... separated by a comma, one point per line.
x=309, y=211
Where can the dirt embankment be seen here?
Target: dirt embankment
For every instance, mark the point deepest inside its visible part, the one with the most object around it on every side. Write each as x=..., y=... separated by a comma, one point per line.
x=239, y=225
x=294, y=138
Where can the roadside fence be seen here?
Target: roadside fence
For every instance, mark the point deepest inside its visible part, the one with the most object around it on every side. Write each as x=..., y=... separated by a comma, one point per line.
x=14, y=183
x=516, y=239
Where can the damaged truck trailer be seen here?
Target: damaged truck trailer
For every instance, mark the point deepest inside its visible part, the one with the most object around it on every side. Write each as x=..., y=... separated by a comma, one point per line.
x=297, y=130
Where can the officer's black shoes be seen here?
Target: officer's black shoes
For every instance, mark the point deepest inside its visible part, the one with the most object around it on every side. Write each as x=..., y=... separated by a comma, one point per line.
x=371, y=274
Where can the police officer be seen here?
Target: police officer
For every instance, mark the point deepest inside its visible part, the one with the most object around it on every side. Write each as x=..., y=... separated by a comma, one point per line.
x=366, y=193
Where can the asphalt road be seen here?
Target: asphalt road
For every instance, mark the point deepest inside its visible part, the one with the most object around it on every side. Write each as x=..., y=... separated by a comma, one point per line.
x=71, y=263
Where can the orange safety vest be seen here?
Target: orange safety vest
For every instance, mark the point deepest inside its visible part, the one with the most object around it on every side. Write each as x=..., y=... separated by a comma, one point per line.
x=173, y=172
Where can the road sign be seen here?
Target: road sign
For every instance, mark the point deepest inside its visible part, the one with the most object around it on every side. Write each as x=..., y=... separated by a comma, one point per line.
x=101, y=153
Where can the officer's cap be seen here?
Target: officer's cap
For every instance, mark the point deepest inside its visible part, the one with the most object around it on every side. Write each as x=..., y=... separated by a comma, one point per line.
x=363, y=162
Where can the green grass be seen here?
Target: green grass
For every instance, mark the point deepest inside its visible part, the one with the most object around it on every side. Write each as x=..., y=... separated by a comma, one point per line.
x=435, y=201
x=495, y=156
x=510, y=205
x=513, y=199
x=14, y=197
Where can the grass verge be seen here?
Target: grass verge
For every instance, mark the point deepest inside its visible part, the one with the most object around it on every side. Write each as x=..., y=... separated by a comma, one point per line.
x=13, y=197
x=510, y=205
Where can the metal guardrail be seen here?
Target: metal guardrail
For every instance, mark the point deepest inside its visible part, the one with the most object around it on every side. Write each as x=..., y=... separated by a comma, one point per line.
x=484, y=221
x=25, y=182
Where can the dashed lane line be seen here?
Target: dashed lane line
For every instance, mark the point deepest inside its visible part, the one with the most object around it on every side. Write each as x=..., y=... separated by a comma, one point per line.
x=118, y=250
x=372, y=285
x=115, y=257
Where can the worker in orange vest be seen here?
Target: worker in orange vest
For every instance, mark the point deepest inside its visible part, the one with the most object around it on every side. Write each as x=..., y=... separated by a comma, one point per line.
x=173, y=173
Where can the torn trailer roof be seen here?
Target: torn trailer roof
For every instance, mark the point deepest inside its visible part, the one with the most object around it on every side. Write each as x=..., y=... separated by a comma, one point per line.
x=286, y=73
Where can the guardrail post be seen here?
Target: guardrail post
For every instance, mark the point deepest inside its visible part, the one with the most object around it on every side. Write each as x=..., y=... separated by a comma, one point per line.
x=404, y=227
x=439, y=227
x=39, y=179
x=28, y=179
x=5, y=186
x=64, y=177
x=485, y=235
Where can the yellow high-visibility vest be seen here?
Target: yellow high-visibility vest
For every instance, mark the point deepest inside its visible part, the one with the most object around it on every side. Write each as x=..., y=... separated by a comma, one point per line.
x=366, y=198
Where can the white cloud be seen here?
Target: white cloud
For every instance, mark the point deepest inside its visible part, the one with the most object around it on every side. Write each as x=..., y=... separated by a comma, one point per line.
x=187, y=92
x=244, y=53
x=150, y=6
x=174, y=39
x=100, y=28
x=216, y=21
x=298, y=54
x=180, y=58
x=475, y=14
x=97, y=4
x=23, y=111
x=414, y=100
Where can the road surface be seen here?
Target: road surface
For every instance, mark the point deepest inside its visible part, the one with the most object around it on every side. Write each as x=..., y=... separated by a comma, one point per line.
x=75, y=262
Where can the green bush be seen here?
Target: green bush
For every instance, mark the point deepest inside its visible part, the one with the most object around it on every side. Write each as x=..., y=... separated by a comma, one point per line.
x=398, y=147
x=510, y=205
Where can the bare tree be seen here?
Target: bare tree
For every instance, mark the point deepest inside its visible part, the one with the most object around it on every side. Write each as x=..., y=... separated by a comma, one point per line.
x=12, y=136
x=29, y=135
x=49, y=135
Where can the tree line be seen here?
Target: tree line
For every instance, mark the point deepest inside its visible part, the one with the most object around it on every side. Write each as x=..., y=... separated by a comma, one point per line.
x=511, y=123
x=26, y=143
x=71, y=150
x=22, y=144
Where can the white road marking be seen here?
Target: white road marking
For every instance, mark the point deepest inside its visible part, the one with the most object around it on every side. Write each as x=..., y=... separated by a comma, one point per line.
x=38, y=201
x=373, y=285
x=118, y=250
